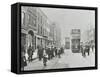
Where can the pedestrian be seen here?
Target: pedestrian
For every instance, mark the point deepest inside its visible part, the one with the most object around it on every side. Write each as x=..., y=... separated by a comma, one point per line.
x=45, y=57
x=81, y=48
x=84, y=51
x=26, y=56
x=35, y=53
x=23, y=58
x=55, y=50
x=40, y=53
x=32, y=52
x=88, y=50
x=93, y=48
x=29, y=53
x=52, y=52
x=48, y=53
x=59, y=52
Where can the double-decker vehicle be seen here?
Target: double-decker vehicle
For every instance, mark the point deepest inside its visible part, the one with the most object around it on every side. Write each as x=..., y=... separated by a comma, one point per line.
x=75, y=40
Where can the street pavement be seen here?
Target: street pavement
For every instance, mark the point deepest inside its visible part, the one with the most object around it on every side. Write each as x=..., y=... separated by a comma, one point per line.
x=77, y=60
x=67, y=60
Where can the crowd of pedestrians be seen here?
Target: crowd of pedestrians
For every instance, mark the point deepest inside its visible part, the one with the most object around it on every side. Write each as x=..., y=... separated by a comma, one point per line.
x=43, y=54
x=86, y=49
x=48, y=53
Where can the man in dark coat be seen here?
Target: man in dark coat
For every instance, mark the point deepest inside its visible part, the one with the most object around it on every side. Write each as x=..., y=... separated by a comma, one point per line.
x=30, y=53
x=55, y=50
x=23, y=58
x=47, y=52
x=88, y=50
x=52, y=52
x=82, y=51
x=40, y=53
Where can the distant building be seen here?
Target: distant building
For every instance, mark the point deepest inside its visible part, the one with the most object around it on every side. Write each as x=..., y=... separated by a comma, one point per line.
x=88, y=37
x=58, y=36
x=91, y=37
x=84, y=37
x=67, y=42
x=55, y=35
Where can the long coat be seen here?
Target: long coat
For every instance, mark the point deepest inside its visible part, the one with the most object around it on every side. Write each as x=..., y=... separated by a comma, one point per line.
x=30, y=51
x=23, y=58
x=40, y=51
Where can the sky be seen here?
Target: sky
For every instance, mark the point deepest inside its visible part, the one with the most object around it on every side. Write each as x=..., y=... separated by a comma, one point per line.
x=68, y=19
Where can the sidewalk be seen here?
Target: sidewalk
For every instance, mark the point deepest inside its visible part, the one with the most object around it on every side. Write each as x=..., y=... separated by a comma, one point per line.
x=38, y=65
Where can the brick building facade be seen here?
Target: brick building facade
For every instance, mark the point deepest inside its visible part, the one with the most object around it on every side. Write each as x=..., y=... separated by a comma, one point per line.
x=36, y=29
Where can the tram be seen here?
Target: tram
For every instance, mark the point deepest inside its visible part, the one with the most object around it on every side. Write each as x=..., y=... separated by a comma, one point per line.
x=75, y=40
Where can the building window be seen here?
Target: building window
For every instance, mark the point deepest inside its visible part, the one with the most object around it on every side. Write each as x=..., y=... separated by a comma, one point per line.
x=31, y=20
x=23, y=18
x=38, y=29
x=34, y=21
x=28, y=18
